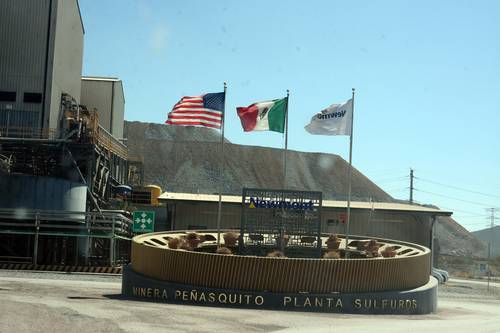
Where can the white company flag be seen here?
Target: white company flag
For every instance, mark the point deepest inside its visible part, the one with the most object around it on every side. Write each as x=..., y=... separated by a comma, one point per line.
x=334, y=120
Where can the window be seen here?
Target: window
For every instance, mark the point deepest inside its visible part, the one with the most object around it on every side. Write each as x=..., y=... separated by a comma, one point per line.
x=7, y=96
x=32, y=98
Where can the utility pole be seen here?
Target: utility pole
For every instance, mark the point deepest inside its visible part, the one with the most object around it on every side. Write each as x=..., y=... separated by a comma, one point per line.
x=411, y=186
x=492, y=225
x=492, y=216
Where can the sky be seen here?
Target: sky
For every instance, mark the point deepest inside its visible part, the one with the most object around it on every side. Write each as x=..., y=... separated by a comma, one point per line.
x=426, y=74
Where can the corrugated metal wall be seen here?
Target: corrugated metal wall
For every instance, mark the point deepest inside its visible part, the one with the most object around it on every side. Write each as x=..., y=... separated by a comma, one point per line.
x=409, y=227
x=45, y=193
x=36, y=58
x=17, y=118
x=200, y=214
x=23, y=39
x=68, y=57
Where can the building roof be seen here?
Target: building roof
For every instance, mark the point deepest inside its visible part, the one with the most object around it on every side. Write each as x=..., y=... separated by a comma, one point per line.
x=379, y=206
x=99, y=78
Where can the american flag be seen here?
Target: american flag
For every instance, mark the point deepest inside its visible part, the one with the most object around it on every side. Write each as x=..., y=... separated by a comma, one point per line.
x=205, y=110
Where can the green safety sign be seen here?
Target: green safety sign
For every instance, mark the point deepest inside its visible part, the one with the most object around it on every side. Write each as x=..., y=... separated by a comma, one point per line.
x=144, y=221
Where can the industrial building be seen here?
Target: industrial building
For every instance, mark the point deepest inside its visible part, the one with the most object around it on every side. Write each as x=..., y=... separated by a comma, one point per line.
x=61, y=156
x=400, y=221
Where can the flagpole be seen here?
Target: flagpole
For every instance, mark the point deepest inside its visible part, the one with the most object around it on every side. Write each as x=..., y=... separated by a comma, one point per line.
x=221, y=175
x=282, y=230
x=349, y=181
x=286, y=139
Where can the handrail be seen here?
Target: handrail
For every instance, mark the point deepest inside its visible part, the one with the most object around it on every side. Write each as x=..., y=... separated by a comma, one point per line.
x=100, y=134
x=29, y=132
x=113, y=223
x=111, y=143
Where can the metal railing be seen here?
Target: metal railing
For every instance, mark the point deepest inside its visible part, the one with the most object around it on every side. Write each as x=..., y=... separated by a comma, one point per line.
x=110, y=225
x=99, y=136
x=29, y=133
x=66, y=223
x=111, y=143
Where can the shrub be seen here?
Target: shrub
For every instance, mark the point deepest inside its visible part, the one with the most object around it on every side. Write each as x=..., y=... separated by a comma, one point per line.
x=185, y=246
x=192, y=235
x=276, y=254
x=332, y=255
x=230, y=238
x=174, y=243
x=223, y=250
x=333, y=242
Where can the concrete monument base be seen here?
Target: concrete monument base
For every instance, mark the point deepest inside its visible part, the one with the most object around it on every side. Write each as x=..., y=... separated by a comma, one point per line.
x=421, y=300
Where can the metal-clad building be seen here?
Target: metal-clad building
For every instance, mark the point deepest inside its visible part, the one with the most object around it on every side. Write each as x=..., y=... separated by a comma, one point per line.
x=411, y=223
x=107, y=96
x=56, y=159
x=41, y=58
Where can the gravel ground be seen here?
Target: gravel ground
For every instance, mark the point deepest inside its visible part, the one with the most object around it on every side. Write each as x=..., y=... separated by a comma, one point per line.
x=456, y=288
x=62, y=276
x=55, y=302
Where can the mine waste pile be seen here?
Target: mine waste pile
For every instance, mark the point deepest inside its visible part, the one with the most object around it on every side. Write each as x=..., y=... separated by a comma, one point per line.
x=186, y=159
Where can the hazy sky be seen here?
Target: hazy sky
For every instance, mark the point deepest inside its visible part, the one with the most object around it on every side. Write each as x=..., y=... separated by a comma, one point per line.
x=426, y=73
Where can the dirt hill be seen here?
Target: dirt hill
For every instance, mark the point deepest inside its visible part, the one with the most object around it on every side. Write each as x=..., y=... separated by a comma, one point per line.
x=186, y=159
x=492, y=236
x=455, y=240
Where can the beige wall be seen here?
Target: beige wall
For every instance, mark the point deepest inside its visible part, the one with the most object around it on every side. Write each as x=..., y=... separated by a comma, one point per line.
x=408, y=227
x=97, y=95
x=205, y=214
x=107, y=97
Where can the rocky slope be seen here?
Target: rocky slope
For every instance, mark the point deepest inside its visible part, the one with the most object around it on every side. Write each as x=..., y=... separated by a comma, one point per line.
x=456, y=240
x=491, y=236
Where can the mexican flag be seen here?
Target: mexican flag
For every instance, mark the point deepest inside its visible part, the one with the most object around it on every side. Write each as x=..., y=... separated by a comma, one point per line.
x=264, y=116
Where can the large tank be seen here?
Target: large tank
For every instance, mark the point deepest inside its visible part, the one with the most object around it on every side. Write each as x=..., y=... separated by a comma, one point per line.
x=43, y=193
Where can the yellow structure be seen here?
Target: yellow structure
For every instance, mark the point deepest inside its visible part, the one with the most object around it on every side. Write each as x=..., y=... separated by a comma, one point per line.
x=155, y=193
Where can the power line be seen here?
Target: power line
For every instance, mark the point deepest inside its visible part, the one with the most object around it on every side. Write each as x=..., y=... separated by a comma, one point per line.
x=392, y=179
x=453, y=198
x=458, y=188
x=474, y=218
x=462, y=211
x=475, y=224
x=397, y=189
x=388, y=171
